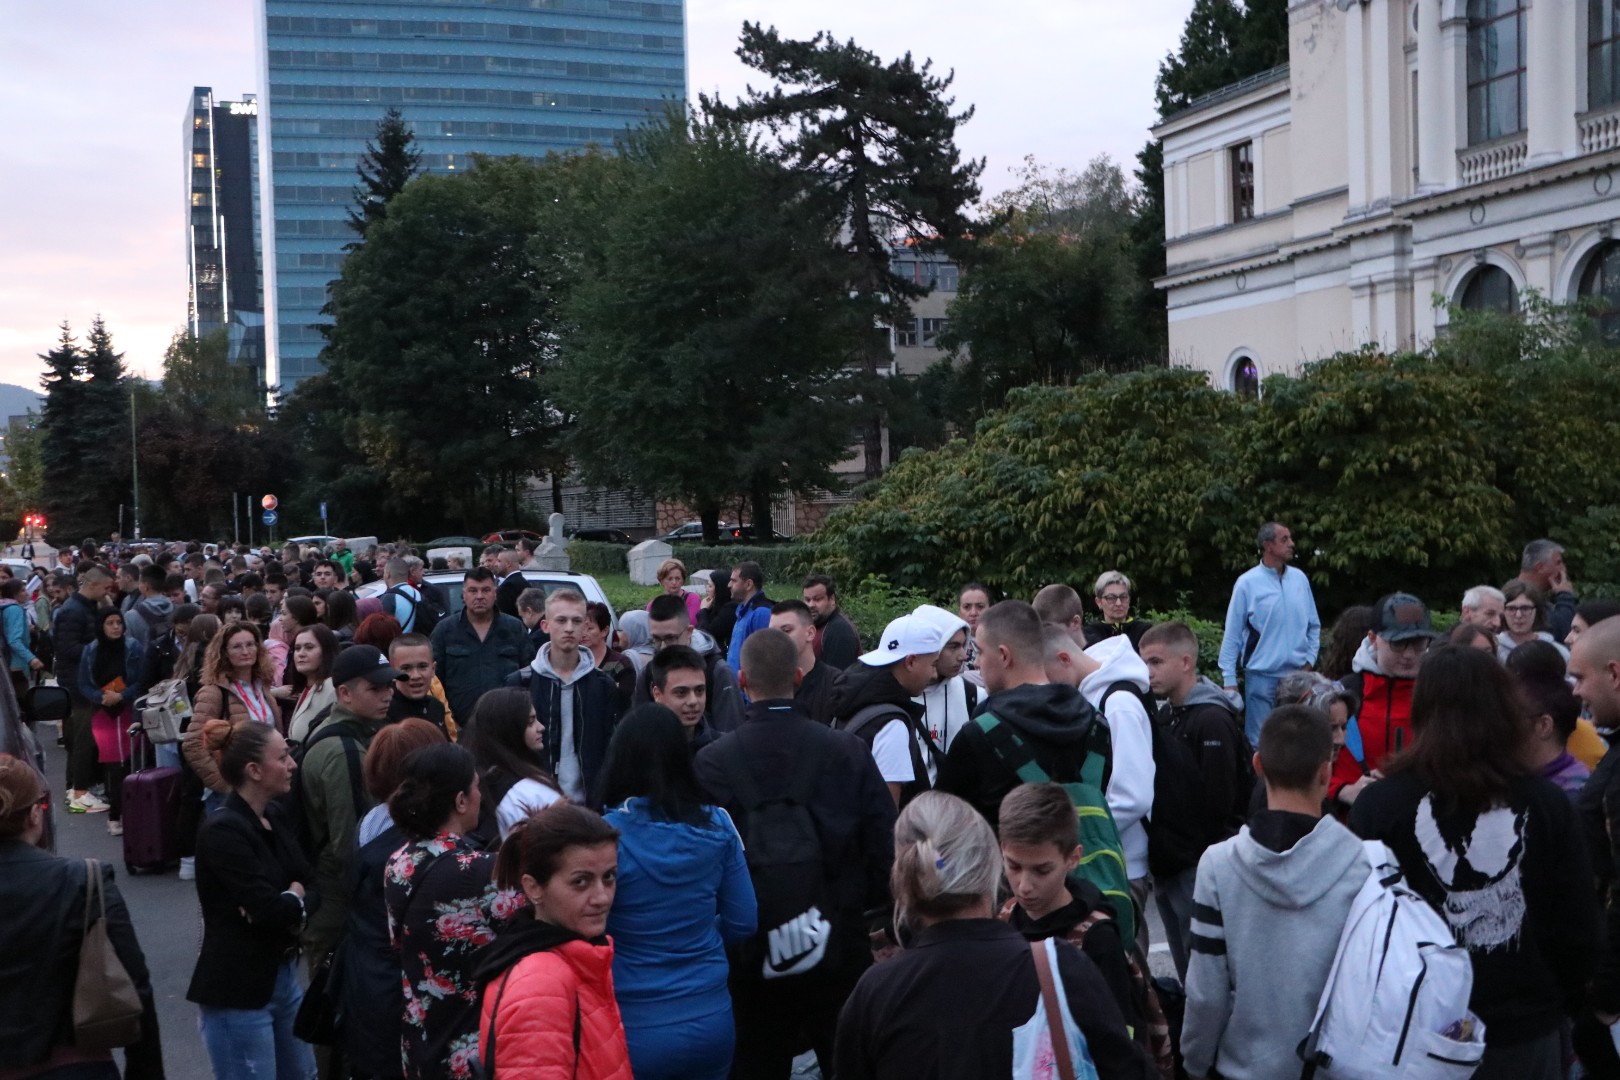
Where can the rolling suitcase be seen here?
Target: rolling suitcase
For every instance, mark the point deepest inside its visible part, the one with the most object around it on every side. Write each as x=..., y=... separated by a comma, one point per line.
x=151, y=814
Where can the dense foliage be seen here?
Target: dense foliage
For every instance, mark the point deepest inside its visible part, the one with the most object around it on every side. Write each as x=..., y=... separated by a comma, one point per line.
x=1426, y=472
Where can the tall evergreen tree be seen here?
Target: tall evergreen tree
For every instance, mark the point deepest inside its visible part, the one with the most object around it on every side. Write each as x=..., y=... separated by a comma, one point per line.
x=59, y=423
x=390, y=161
x=876, y=141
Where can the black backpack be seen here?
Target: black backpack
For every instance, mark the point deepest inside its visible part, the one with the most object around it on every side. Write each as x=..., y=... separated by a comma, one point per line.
x=293, y=805
x=785, y=859
x=427, y=613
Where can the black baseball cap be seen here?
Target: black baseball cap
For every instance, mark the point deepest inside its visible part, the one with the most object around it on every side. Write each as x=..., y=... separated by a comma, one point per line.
x=1402, y=617
x=363, y=662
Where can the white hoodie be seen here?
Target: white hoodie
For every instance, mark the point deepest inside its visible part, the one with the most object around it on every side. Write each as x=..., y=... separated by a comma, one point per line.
x=1130, y=787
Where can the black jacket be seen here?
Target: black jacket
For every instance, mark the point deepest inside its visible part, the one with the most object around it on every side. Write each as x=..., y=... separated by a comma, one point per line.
x=365, y=978
x=815, y=692
x=73, y=628
x=42, y=897
x=1102, y=941
x=1598, y=805
x=427, y=707
x=1518, y=891
x=1214, y=733
x=1102, y=631
x=506, y=595
x=250, y=922
x=946, y=1007
x=839, y=644
x=851, y=807
x=1053, y=720
x=597, y=708
x=862, y=687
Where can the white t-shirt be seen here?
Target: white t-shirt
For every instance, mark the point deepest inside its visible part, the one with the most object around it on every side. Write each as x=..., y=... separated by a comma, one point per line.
x=525, y=797
x=893, y=756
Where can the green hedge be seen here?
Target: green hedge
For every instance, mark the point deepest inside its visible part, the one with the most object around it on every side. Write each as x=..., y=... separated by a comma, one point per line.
x=598, y=559
x=779, y=561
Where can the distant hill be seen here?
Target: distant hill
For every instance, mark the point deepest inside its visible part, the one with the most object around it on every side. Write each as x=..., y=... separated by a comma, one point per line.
x=16, y=400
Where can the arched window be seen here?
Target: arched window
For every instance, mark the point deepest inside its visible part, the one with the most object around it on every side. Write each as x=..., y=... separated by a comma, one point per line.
x=1489, y=289
x=1244, y=378
x=1495, y=69
x=1601, y=281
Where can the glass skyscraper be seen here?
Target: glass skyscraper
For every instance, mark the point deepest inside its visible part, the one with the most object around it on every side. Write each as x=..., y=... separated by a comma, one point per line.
x=224, y=268
x=470, y=76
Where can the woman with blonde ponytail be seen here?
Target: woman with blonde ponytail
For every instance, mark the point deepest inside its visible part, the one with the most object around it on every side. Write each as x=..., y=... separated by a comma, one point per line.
x=964, y=997
x=250, y=882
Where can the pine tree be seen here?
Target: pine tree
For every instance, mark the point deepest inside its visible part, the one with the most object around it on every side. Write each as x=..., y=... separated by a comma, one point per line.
x=389, y=163
x=877, y=141
x=59, y=426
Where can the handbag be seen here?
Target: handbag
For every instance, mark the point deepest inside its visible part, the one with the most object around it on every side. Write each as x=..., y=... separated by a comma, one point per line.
x=317, y=1019
x=164, y=711
x=1054, y=1013
x=107, y=1008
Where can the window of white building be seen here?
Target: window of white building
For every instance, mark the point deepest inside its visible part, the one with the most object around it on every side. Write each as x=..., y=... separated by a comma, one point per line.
x=1243, y=378
x=1600, y=281
x=1602, y=65
x=1496, y=69
x=1489, y=289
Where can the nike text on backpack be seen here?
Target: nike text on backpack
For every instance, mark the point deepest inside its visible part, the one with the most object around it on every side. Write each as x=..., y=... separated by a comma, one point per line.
x=783, y=848
x=1396, y=1000
x=164, y=710
x=1102, y=858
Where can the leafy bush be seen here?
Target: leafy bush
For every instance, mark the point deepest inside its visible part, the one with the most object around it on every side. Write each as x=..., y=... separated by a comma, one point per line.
x=1209, y=633
x=873, y=602
x=598, y=558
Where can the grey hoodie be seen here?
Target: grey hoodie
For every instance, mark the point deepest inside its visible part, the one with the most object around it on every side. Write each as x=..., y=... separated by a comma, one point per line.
x=570, y=773
x=154, y=613
x=1265, y=927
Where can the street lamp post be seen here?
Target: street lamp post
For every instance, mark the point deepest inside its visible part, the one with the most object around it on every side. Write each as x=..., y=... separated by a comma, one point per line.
x=134, y=463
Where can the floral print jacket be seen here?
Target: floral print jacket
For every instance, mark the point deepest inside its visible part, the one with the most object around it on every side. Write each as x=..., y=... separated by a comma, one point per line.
x=443, y=909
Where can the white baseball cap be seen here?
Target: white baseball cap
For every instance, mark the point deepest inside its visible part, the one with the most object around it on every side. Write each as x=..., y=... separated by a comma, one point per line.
x=909, y=635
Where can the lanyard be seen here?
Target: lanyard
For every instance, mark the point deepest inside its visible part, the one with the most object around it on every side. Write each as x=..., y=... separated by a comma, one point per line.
x=258, y=708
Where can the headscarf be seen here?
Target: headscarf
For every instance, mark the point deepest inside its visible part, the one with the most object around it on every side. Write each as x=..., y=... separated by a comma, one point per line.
x=109, y=660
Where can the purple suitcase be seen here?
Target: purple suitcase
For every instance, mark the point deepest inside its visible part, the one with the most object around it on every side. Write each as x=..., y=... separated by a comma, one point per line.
x=151, y=815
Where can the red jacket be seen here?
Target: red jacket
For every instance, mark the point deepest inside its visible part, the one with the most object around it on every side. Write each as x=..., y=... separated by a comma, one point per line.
x=550, y=1003
x=1385, y=723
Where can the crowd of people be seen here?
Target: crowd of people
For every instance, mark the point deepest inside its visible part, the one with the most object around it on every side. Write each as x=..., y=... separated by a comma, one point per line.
x=525, y=839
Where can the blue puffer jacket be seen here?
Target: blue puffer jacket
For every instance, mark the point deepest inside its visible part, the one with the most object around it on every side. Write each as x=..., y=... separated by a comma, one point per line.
x=752, y=616
x=684, y=895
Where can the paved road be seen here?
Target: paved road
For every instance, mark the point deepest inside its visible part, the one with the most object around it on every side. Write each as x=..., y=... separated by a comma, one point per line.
x=167, y=922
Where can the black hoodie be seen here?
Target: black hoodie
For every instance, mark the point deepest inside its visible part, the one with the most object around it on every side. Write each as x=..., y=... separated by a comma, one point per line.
x=520, y=936
x=862, y=686
x=1052, y=719
x=1101, y=940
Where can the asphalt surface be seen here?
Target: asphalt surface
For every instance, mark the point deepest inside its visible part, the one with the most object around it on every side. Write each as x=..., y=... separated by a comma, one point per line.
x=167, y=921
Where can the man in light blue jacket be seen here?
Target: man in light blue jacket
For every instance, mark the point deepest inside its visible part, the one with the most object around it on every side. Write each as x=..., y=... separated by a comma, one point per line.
x=1271, y=627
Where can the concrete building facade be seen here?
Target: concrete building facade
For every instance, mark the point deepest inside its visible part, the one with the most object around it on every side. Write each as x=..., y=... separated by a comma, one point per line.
x=1414, y=154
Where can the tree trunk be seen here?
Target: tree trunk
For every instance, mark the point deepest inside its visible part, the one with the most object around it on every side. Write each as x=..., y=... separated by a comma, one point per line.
x=709, y=515
x=556, y=491
x=759, y=498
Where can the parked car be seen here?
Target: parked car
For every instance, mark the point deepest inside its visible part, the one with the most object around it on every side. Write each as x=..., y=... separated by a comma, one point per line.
x=605, y=536
x=692, y=533
x=321, y=542
x=549, y=580
x=19, y=739
x=511, y=536
x=749, y=534
x=453, y=541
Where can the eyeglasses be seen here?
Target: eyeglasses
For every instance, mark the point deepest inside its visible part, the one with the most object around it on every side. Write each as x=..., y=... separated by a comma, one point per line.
x=660, y=640
x=1115, y=598
x=1520, y=609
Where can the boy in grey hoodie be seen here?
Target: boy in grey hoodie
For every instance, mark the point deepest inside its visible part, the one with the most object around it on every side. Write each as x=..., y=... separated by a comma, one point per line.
x=1270, y=904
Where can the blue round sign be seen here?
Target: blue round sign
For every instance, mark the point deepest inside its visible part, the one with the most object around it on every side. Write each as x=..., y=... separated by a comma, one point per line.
x=269, y=517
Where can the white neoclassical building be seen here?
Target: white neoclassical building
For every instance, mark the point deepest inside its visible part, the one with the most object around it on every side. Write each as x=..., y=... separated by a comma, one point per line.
x=1412, y=151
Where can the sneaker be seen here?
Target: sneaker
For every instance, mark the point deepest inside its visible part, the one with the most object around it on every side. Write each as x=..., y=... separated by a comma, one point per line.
x=188, y=869
x=115, y=828
x=89, y=804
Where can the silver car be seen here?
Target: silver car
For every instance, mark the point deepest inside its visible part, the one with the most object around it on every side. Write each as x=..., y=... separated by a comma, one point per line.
x=549, y=580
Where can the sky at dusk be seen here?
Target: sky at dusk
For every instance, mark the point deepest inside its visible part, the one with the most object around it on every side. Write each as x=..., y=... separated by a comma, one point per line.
x=93, y=95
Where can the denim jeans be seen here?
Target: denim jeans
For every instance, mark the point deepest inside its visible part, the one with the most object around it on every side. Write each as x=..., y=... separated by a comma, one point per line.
x=258, y=1044
x=1174, y=895
x=1259, y=698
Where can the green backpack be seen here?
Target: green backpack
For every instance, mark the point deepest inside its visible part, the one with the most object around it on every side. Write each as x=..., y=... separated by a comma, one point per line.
x=1102, y=858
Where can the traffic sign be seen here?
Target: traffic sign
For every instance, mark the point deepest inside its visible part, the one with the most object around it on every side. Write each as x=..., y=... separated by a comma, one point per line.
x=269, y=502
x=269, y=517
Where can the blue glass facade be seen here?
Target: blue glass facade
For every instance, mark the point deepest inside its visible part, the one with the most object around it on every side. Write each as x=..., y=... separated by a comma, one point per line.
x=470, y=76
